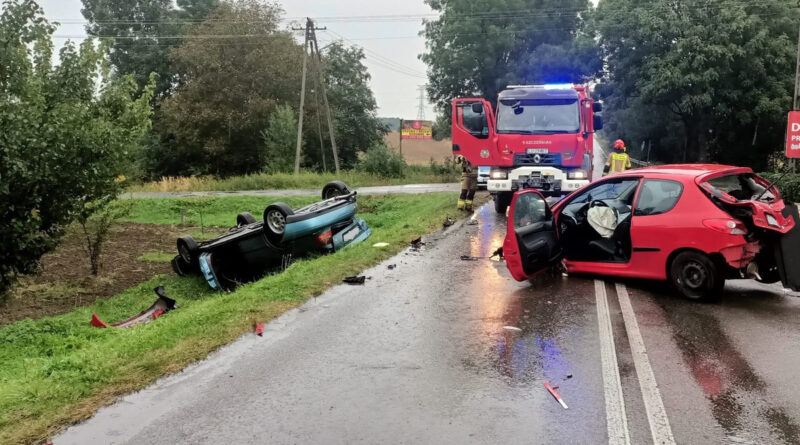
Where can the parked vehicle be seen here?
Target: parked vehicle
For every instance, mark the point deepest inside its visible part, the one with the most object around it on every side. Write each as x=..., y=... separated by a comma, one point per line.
x=694, y=225
x=483, y=176
x=252, y=248
x=542, y=137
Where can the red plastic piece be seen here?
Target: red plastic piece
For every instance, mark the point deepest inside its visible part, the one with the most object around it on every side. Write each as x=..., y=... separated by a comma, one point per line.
x=97, y=322
x=259, y=329
x=157, y=313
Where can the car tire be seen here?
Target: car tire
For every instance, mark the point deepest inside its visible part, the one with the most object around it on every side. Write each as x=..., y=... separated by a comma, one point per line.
x=334, y=189
x=180, y=266
x=244, y=219
x=501, y=202
x=696, y=276
x=275, y=217
x=188, y=249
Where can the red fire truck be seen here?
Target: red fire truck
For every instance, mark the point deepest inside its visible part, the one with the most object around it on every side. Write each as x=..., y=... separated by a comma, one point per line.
x=539, y=136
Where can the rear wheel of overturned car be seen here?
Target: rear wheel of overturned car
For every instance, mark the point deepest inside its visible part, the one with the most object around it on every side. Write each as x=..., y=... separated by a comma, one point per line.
x=244, y=219
x=180, y=266
x=696, y=276
x=188, y=248
x=275, y=220
x=334, y=189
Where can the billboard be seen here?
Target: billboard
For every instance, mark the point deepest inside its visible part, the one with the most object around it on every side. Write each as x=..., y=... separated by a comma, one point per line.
x=793, y=135
x=416, y=130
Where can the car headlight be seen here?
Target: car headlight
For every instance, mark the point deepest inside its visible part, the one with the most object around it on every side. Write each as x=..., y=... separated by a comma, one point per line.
x=577, y=174
x=498, y=174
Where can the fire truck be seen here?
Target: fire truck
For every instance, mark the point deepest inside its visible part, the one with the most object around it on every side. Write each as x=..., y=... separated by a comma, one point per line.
x=539, y=136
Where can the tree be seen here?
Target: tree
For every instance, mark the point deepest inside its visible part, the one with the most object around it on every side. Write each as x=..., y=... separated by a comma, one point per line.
x=144, y=33
x=478, y=47
x=68, y=133
x=354, y=108
x=721, y=71
x=280, y=139
x=442, y=127
x=213, y=121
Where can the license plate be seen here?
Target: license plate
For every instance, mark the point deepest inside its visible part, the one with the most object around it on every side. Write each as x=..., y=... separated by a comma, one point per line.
x=351, y=234
x=537, y=151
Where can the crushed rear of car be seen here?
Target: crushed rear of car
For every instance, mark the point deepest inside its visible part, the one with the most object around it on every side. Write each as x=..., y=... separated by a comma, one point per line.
x=252, y=248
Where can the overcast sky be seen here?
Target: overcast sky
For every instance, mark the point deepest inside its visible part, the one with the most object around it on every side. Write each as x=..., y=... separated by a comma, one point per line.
x=386, y=43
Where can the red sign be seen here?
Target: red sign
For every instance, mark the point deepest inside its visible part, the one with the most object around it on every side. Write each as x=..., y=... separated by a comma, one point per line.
x=793, y=135
x=417, y=130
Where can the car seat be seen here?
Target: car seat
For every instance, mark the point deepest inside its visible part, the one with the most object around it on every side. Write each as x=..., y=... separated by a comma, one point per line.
x=617, y=246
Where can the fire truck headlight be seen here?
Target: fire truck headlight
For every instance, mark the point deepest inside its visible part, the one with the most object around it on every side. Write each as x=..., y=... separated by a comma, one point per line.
x=577, y=174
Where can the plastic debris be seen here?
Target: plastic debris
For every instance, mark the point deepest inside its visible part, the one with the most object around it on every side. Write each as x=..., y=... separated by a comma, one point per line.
x=498, y=253
x=391, y=266
x=380, y=245
x=448, y=222
x=259, y=329
x=355, y=279
x=569, y=376
x=512, y=328
x=161, y=306
x=553, y=392
x=468, y=258
x=417, y=243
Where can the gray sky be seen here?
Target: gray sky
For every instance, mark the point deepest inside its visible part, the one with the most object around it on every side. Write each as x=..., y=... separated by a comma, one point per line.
x=386, y=43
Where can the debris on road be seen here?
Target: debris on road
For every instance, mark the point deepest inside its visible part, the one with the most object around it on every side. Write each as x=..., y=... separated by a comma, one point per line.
x=356, y=279
x=391, y=266
x=472, y=222
x=448, y=222
x=258, y=329
x=469, y=258
x=512, y=328
x=569, y=376
x=552, y=390
x=380, y=245
x=498, y=253
x=161, y=306
x=417, y=243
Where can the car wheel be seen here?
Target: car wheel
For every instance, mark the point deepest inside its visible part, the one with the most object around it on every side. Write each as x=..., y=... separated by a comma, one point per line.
x=188, y=248
x=334, y=189
x=244, y=219
x=501, y=202
x=696, y=277
x=180, y=266
x=275, y=217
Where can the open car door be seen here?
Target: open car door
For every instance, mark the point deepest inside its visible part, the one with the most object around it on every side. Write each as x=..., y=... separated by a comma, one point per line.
x=531, y=245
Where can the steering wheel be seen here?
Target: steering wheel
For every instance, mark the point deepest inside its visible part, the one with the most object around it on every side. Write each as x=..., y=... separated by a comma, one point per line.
x=598, y=203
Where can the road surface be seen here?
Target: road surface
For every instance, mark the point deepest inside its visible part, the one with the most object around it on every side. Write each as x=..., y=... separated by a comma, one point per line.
x=377, y=190
x=440, y=350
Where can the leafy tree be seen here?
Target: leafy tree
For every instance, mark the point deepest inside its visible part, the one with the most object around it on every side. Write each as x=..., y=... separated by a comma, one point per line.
x=442, y=127
x=96, y=220
x=144, y=32
x=478, y=47
x=719, y=71
x=280, y=140
x=213, y=121
x=68, y=132
x=380, y=160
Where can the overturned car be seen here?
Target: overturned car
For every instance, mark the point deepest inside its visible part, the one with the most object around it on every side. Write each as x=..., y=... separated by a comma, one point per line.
x=253, y=248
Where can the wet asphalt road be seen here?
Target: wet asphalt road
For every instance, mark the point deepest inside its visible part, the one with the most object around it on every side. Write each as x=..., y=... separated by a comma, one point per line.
x=376, y=190
x=421, y=354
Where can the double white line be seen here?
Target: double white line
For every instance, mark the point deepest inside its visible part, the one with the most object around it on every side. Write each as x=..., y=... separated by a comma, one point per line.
x=616, y=418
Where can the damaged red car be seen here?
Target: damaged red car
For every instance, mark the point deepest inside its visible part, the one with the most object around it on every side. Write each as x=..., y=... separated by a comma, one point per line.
x=694, y=225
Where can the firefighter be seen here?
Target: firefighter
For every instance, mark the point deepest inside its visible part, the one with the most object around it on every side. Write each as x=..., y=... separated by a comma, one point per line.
x=618, y=161
x=469, y=183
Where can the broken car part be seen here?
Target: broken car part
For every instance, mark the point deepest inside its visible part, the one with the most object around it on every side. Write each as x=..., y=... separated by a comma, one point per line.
x=161, y=306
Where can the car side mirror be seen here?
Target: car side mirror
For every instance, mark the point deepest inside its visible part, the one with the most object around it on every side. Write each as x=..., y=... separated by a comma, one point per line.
x=477, y=108
x=597, y=107
x=598, y=123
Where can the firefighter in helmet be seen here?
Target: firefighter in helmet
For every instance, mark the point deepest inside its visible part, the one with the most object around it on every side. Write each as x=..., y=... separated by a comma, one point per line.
x=469, y=183
x=618, y=160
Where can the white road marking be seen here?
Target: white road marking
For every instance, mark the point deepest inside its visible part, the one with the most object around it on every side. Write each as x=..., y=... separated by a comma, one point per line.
x=616, y=419
x=656, y=414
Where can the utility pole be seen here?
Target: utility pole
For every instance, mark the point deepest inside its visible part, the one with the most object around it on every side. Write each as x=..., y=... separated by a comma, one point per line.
x=421, y=107
x=400, y=133
x=309, y=44
x=315, y=49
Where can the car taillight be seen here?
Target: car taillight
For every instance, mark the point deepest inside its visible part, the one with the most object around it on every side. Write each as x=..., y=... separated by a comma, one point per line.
x=324, y=238
x=729, y=226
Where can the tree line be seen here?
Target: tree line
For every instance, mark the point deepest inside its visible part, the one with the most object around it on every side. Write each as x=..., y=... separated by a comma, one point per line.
x=690, y=81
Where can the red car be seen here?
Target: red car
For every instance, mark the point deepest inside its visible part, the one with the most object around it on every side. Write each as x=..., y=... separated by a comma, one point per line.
x=694, y=225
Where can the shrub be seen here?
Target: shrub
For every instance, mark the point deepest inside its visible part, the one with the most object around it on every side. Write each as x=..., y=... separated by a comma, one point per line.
x=788, y=186
x=380, y=160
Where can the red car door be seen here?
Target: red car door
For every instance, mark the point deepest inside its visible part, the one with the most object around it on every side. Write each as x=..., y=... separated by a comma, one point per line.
x=531, y=244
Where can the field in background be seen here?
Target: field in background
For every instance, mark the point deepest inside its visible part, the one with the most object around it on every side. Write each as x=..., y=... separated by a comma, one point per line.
x=420, y=152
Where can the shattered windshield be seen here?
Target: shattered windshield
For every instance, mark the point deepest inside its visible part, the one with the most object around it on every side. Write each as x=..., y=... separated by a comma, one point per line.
x=538, y=117
x=743, y=187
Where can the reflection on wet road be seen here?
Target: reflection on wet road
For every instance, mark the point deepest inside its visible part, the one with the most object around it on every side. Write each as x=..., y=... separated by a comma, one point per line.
x=440, y=350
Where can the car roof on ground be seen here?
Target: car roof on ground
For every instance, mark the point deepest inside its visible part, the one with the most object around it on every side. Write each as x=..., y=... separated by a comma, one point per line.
x=692, y=170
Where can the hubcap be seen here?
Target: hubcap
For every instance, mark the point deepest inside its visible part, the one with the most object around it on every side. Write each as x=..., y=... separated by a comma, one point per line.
x=332, y=193
x=694, y=275
x=276, y=222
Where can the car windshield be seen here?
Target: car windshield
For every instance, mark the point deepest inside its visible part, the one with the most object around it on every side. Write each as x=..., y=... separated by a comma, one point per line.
x=538, y=117
x=743, y=187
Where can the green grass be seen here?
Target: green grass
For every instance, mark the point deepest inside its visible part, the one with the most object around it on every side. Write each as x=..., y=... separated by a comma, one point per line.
x=59, y=370
x=305, y=180
x=156, y=257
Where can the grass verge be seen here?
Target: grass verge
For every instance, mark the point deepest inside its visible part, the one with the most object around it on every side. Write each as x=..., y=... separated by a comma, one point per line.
x=305, y=180
x=59, y=370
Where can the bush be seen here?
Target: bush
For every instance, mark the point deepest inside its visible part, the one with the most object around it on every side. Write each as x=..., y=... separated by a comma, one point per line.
x=788, y=186
x=380, y=160
x=447, y=169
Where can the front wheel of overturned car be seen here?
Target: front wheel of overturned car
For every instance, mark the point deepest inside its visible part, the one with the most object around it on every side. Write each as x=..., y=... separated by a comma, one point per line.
x=334, y=189
x=181, y=267
x=244, y=219
x=188, y=248
x=696, y=276
x=275, y=220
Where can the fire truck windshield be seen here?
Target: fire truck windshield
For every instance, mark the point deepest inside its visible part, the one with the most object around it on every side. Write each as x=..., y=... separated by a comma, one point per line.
x=538, y=117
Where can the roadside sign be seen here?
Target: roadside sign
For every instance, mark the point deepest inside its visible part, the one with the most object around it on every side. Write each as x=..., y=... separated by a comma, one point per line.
x=793, y=135
x=416, y=130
